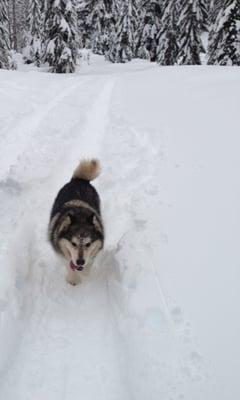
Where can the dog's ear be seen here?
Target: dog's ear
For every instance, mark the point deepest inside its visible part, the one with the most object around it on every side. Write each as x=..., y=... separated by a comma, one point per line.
x=72, y=217
x=92, y=219
x=66, y=222
x=96, y=224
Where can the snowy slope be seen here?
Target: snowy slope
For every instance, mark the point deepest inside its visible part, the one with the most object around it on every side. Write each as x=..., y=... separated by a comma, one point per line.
x=158, y=319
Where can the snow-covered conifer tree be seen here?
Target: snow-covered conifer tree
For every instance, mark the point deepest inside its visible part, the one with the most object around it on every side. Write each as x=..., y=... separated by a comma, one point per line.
x=95, y=22
x=203, y=15
x=190, y=43
x=214, y=8
x=5, y=59
x=85, y=31
x=122, y=46
x=224, y=41
x=86, y=20
x=150, y=22
x=18, y=11
x=167, y=50
x=101, y=20
x=61, y=35
x=35, y=32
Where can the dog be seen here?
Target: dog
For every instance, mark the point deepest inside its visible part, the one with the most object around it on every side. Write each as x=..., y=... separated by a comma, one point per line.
x=75, y=229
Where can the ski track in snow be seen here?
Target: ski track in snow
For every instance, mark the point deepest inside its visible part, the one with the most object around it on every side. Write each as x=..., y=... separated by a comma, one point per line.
x=104, y=339
x=30, y=125
x=53, y=325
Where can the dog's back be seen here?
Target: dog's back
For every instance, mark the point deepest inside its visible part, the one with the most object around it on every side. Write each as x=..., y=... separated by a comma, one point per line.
x=79, y=188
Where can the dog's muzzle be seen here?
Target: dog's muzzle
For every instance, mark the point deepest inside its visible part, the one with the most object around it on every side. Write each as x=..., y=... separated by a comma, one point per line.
x=76, y=267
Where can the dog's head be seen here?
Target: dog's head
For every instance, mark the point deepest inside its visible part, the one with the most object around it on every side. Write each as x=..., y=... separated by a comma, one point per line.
x=81, y=238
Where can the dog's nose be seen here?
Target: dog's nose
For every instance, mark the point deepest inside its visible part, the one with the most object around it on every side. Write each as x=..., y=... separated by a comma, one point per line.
x=80, y=262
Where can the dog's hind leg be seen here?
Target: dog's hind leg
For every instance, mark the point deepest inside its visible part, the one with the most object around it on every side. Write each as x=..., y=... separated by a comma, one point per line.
x=73, y=277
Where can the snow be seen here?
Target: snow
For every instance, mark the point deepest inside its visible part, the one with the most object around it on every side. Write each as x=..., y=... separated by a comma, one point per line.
x=158, y=317
x=225, y=15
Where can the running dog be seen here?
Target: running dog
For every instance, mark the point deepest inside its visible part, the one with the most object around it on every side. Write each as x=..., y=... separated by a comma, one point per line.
x=75, y=229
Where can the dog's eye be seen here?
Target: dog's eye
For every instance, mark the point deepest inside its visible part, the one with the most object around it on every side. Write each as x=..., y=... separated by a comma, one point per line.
x=88, y=244
x=74, y=244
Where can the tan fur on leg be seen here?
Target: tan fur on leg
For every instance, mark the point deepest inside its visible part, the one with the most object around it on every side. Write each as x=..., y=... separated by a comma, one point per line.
x=73, y=277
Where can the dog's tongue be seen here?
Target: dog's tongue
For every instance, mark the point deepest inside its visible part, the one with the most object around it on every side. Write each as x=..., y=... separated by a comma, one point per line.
x=74, y=267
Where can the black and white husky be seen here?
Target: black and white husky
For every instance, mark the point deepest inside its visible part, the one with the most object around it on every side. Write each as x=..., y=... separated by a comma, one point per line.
x=76, y=228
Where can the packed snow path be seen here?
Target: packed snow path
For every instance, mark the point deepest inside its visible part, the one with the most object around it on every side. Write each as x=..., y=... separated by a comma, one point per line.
x=120, y=335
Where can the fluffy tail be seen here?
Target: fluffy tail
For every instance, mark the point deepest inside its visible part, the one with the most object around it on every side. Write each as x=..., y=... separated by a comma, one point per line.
x=87, y=170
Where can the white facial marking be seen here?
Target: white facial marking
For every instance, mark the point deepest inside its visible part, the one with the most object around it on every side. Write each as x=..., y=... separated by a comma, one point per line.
x=80, y=247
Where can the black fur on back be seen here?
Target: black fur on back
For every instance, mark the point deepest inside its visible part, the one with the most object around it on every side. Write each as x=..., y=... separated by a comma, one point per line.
x=76, y=189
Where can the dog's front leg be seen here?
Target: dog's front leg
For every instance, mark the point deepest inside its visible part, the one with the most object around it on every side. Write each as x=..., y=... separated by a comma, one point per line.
x=73, y=277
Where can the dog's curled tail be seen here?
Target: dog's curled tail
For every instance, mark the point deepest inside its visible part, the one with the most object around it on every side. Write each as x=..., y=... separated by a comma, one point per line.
x=87, y=170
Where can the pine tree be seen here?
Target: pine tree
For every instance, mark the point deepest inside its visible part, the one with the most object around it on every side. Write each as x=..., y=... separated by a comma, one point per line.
x=203, y=15
x=18, y=22
x=167, y=50
x=23, y=27
x=5, y=60
x=190, y=42
x=61, y=36
x=224, y=42
x=214, y=8
x=122, y=46
x=150, y=23
x=101, y=20
x=35, y=34
x=95, y=22
x=84, y=29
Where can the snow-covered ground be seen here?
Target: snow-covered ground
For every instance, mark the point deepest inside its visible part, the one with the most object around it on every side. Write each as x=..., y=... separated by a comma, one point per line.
x=159, y=316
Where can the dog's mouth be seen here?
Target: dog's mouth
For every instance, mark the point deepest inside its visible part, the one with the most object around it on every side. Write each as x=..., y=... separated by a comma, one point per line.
x=75, y=267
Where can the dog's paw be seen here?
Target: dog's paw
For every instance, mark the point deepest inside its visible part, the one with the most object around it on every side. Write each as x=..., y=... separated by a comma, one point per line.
x=73, y=278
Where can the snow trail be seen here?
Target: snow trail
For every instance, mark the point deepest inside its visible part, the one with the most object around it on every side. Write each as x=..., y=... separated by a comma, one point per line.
x=75, y=338
x=119, y=335
x=53, y=358
x=96, y=122
x=30, y=125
